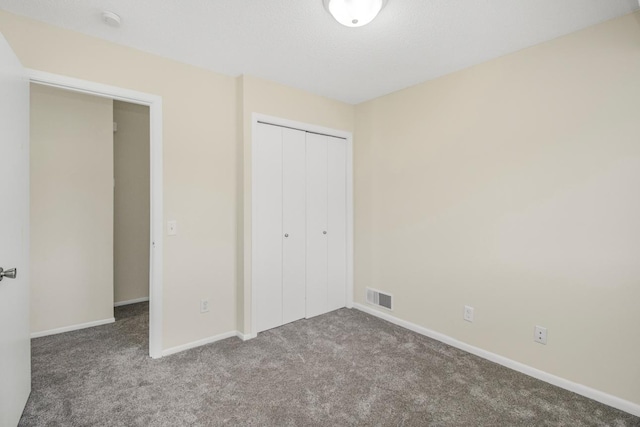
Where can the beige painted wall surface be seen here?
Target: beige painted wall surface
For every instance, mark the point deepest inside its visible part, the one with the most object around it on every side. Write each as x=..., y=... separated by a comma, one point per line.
x=265, y=97
x=199, y=163
x=513, y=187
x=131, y=202
x=71, y=208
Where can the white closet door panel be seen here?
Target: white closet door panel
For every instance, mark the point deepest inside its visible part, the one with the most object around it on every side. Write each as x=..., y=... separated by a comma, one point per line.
x=316, y=283
x=337, y=223
x=267, y=227
x=293, y=225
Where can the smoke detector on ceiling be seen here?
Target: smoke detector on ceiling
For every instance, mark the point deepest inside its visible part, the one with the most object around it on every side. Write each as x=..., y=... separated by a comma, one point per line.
x=111, y=19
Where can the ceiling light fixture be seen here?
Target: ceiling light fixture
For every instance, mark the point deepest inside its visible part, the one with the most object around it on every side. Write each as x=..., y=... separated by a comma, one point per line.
x=354, y=13
x=111, y=19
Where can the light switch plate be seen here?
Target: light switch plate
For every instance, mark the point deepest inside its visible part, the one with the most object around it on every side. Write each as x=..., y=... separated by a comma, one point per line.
x=172, y=228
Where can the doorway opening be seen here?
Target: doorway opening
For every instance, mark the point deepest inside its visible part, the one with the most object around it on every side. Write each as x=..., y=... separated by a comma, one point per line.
x=141, y=234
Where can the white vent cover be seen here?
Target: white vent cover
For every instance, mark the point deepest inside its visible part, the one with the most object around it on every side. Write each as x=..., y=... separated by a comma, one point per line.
x=379, y=298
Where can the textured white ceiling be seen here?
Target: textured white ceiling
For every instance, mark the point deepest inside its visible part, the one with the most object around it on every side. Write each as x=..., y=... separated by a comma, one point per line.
x=297, y=43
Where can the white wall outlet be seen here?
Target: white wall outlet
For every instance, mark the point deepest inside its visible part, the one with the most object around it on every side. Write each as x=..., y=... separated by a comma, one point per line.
x=172, y=228
x=468, y=313
x=204, y=306
x=540, y=335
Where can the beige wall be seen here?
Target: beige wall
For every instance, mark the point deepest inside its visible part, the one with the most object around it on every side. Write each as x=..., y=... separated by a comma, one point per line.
x=199, y=163
x=261, y=96
x=131, y=202
x=71, y=208
x=512, y=187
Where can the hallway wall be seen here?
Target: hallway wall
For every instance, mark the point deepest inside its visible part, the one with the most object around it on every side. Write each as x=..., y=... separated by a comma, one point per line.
x=131, y=202
x=71, y=208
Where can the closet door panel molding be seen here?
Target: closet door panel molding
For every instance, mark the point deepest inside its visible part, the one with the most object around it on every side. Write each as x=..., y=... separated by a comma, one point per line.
x=267, y=227
x=337, y=223
x=317, y=271
x=293, y=225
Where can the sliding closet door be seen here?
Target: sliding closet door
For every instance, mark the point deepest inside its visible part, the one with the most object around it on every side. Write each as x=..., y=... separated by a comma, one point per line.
x=293, y=225
x=267, y=227
x=337, y=223
x=316, y=225
x=299, y=225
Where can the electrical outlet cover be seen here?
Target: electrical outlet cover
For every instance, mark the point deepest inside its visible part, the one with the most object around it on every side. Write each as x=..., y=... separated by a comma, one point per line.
x=468, y=313
x=540, y=335
x=204, y=306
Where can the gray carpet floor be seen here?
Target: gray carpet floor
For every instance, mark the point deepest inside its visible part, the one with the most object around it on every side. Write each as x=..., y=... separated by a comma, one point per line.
x=345, y=368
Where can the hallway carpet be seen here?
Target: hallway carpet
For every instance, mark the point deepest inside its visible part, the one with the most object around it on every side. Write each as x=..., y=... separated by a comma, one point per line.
x=345, y=368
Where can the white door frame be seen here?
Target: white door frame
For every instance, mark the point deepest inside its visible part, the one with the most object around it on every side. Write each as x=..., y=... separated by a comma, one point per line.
x=348, y=137
x=154, y=103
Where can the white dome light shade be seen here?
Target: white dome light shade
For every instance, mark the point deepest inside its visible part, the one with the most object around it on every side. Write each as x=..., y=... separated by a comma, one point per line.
x=354, y=13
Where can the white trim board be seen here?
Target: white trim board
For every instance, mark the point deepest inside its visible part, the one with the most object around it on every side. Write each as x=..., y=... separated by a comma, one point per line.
x=130, y=301
x=199, y=343
x=246, y=337
x=348, y=137
x=72, y=328
x=154, y=102
x=599, y=396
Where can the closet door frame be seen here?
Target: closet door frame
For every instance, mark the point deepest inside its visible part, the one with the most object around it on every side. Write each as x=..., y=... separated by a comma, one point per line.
x=348, y=137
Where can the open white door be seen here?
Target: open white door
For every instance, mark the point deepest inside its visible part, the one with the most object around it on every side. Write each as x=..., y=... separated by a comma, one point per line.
x=15, y=346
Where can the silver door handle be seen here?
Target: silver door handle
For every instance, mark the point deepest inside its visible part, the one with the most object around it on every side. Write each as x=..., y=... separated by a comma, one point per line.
x=9, y=274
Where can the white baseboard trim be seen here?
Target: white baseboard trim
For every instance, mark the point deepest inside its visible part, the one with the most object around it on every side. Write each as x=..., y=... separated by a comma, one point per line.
x=607, y=399
x=72, y=328
x=245, y=337
x=131, y=301
x=194, y=344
